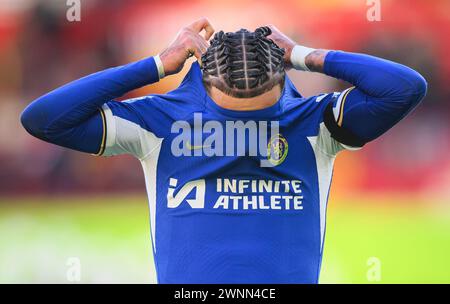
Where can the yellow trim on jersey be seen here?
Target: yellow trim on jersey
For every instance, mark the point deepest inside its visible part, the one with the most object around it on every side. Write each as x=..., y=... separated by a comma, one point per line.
x=341, y=111
x=103, y=143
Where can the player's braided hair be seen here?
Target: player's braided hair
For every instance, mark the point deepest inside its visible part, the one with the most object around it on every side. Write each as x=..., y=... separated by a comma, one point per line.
x=243, y=64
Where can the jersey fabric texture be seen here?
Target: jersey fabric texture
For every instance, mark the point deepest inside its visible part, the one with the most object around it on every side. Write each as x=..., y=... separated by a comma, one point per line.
x=227, y=219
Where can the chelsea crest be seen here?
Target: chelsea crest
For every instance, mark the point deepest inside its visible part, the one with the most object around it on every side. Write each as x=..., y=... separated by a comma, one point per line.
x=277, y=149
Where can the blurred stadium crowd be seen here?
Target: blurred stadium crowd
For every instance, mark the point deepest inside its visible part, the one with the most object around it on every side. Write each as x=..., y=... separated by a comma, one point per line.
x=41, y=50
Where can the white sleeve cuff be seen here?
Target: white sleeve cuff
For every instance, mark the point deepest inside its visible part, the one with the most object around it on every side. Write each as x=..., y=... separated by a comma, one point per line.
x=160, y=66
x=298, y=56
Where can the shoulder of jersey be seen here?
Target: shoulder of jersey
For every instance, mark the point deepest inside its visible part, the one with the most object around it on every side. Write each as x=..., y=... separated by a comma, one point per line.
x=187, y=98
x=307, y=105
x=175, y=104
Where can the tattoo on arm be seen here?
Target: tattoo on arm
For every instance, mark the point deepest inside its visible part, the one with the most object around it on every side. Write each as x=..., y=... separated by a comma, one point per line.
x=315, y=60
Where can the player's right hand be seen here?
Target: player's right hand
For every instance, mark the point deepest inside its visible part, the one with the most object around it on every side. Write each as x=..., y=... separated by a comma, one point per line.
x=188, y=42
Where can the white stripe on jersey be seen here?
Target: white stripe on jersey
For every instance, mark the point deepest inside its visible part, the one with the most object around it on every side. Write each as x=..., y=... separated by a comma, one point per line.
x=150, y=165
x=126, y=137
x=325, y=149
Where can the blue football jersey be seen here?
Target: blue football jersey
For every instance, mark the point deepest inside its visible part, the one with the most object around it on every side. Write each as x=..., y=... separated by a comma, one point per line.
x=223, y=208
x=234, y=196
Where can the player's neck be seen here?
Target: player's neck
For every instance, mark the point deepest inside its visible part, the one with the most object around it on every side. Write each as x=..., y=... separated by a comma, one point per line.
x=245, y=104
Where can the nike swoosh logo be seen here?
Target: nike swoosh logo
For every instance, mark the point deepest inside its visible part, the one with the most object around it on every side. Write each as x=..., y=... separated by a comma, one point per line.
x=190, y=147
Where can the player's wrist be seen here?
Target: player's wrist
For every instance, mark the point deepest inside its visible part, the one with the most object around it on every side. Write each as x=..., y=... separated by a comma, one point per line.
x=298, y=57
x=159, y=66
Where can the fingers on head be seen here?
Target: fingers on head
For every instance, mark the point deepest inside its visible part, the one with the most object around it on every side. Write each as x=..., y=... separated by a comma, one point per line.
x=202, y=46
x=196, y=48
x=202, y=24
x=196, y=52
x=192, y=40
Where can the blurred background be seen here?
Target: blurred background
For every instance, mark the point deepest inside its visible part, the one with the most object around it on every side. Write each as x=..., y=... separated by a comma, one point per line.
x=389, y=209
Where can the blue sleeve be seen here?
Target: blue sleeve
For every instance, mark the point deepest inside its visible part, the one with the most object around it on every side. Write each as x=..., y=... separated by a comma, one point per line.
x=384, y=92
x=71, y=116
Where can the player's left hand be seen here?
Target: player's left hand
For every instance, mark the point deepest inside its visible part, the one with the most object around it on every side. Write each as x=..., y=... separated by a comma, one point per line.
x=284, y=42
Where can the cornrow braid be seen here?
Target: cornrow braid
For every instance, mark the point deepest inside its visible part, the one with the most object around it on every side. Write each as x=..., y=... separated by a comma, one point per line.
x=243, y=64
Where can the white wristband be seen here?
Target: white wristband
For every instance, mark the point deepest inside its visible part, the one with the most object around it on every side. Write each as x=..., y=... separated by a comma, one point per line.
x=298, y=56
x=160, y=66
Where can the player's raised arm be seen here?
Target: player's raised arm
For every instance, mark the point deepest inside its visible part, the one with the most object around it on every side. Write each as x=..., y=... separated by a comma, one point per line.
x=71, y=116
x=384, y=91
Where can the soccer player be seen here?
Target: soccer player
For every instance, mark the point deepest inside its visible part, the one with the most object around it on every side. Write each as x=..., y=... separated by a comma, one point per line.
x=237, y=163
